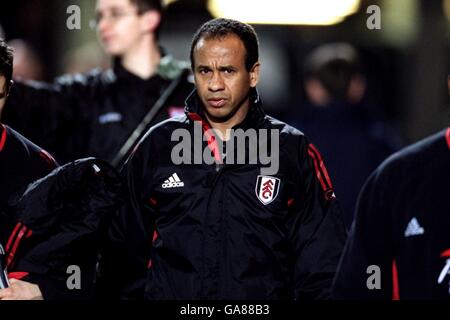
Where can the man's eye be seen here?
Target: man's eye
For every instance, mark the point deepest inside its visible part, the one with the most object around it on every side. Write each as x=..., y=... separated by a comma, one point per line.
x=228, y=70
x=204, y=71
x=98, y=17
x=116, y=14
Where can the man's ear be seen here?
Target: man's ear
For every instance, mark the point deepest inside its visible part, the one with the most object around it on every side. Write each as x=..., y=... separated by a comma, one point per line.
x=150, y=21
x=254, y=74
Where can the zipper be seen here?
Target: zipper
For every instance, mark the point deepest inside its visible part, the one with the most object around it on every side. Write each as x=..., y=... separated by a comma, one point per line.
x=218, y=172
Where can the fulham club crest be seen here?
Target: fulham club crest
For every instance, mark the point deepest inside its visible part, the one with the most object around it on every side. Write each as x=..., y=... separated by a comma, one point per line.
x=267, y=189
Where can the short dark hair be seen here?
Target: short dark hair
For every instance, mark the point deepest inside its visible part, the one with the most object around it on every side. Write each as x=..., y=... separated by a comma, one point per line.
x=6, y=62
x=221, y=28
x=333, y=65
x=147, y=5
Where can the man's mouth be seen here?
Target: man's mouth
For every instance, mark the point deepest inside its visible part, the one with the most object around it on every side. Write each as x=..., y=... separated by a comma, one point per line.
x=106, y=39
x=217, y=102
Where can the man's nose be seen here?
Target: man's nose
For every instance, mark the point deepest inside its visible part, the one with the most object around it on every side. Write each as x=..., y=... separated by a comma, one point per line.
x=216, y=82
x=102, y=25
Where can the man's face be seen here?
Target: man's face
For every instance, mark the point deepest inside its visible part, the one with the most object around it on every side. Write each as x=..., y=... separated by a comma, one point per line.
x=222, y=81
x=3, y=92
x=119, y=26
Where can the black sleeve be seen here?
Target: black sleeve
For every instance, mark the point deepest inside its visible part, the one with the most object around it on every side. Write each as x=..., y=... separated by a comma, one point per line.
x=40, y=163
x=317, y=231
x=126, y=255
x=62, y=219
x=24, y=162
x=369, y=244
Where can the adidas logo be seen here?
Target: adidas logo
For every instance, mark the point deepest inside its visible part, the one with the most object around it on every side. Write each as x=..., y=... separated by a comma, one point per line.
x=173, y=182
x=414, y=228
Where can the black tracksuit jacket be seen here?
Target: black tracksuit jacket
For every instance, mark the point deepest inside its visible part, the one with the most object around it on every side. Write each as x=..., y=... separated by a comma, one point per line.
x=58, y=226
x=402, y=227
x=93, y=114
x=21, y=162
x=209, y=236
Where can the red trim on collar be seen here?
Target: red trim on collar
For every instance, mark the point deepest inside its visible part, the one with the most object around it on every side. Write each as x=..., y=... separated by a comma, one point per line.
x=3, y=137
x=212, y=143
x=445, y=253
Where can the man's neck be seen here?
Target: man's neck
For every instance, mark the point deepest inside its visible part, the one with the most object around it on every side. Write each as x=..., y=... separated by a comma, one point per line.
x=223, y=128
x=142, y=61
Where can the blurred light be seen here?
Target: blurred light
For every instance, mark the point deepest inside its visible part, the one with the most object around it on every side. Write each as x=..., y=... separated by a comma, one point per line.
x=446, y=7
x=400, y=22
x=307, y=12
x=167, y=2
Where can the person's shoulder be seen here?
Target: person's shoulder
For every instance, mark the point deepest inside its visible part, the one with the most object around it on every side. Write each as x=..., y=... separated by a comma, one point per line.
x=15, y=137
x=163, y=131
x=28, y=149
x=289, y=135
x=283, y=127
x=92, y=77
x=178, y=122
x=418, y=154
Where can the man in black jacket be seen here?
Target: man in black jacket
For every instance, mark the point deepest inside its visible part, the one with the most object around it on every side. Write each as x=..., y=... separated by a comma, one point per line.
x=94, y=114
x=21, y=161
x=205, y=225
x=55, y=223
x=399, y=245
x=57, y=229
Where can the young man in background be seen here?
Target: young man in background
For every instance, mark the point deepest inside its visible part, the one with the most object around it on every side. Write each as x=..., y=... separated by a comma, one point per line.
x=94, y=114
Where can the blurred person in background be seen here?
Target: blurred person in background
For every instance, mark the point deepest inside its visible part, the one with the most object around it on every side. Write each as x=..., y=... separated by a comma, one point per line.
x=94, y=114
x=352, y=141
x=27, y=64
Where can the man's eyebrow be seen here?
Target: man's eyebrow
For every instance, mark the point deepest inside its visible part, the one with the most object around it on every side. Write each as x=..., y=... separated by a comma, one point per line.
x=227, y=67
x=111, y=8
x=220, y=67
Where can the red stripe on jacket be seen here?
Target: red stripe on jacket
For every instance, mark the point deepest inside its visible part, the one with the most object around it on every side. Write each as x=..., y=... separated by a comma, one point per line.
x=395, y=286
x=212, y=143
x=3, y=137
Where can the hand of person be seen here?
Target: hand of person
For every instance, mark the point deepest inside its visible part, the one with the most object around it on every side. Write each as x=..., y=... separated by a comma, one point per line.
x=21, y=290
